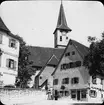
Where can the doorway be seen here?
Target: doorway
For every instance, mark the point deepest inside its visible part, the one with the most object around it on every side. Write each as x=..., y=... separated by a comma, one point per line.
x=78, y=94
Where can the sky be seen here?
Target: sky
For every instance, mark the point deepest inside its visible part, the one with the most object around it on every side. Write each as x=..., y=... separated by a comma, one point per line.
x=36, y=21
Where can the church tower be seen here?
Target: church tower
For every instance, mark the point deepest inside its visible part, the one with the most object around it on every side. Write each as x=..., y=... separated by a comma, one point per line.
x=62, y=30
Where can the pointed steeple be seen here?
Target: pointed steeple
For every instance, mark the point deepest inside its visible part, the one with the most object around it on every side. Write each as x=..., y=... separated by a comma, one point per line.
x=62, y=23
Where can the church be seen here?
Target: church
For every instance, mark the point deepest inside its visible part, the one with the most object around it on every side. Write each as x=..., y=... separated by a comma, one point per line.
x=61, y=68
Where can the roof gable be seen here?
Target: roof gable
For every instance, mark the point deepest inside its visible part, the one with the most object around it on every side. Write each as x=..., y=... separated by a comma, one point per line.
x=82, y=50
x=51, y=61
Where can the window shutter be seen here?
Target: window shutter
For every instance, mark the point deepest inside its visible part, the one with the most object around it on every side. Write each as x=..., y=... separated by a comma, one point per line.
x=0, y=39
x=7, y=62
x=14, y=65
x=16, y=44
x=9, y=42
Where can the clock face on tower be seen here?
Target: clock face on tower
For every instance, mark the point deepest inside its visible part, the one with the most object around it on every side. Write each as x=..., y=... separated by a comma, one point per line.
x=63, y=33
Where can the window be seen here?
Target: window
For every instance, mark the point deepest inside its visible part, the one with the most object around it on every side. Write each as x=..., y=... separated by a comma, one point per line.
x=10, y=63
x=66, y=93
x=65, y=81
x=93, y=93
x=78, y=63
x=72, y=64
x=40, y=77
x=73, y=94
x=66, y=38
x=67, y=54
x=73, y=52
x=75, y=80
x=94, y=80
x=12, y=43
x=55, y=81
x=60, y=38
x=83, y=93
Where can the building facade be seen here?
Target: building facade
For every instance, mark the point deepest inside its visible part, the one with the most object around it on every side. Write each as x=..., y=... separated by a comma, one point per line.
x=9, y=53
x=44, y=78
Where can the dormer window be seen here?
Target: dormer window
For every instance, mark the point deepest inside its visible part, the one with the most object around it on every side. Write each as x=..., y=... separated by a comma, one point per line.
x=12, y=43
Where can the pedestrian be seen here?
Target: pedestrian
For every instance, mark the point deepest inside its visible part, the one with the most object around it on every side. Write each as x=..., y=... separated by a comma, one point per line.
x=56, y=95
x=49, y=94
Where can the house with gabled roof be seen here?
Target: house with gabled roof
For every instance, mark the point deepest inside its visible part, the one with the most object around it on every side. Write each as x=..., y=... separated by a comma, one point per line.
x=44, y=78
x=71, y=78
x=70, y=72
x=9, y=54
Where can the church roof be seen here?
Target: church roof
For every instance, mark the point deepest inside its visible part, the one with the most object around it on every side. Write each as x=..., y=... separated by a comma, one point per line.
x=3, y=26
x=40, y=55
x=62, y=23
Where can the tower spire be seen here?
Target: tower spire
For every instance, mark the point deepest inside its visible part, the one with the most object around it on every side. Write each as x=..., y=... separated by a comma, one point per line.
x=62, y=23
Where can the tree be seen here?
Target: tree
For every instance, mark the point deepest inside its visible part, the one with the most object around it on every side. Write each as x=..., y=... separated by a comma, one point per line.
x=94, y=60
x=25, y=70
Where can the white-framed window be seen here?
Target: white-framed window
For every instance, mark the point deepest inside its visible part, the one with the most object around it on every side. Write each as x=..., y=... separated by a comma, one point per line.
x=12, y=43
x=93, y=93
x=10, y=63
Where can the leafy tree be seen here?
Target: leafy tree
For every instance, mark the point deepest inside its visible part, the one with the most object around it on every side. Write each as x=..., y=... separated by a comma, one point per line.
x=25, y=70
x=94, y=60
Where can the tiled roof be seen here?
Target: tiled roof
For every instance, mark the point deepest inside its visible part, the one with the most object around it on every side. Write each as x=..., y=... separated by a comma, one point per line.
x=40, y=55
x=5, y=29
x=3, y=26
x=82, y=49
